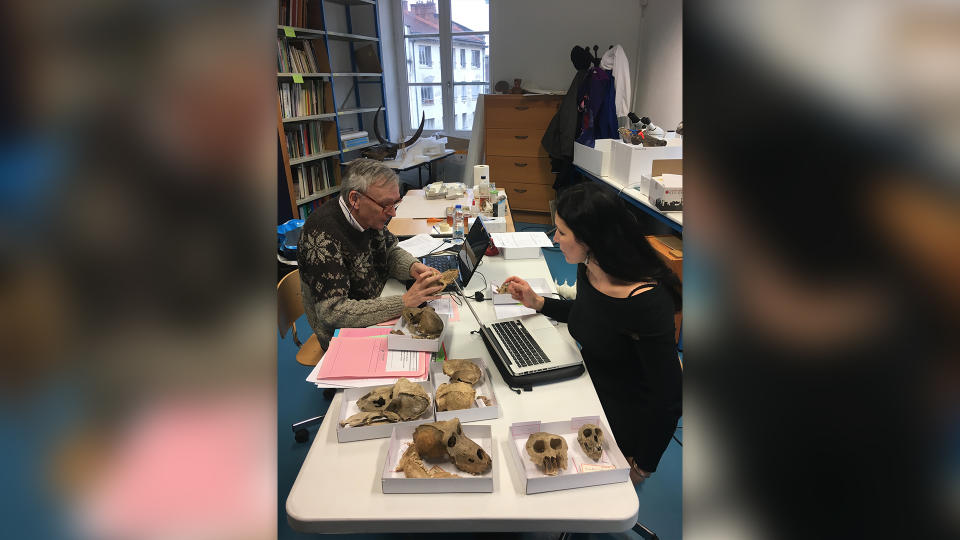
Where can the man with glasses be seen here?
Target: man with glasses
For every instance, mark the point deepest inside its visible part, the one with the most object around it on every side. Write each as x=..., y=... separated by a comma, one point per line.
x=346, y=254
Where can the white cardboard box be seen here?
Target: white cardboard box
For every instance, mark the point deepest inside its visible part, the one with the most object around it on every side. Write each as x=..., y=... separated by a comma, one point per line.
x=668, y=190
x=495, y=224
x=484, y=387
x=631, y=162
x=539, y=285
x=614, y=467
x=392, y=481
x=596, y=159
x=348, y=407
x=520, y=252
x=407, y=342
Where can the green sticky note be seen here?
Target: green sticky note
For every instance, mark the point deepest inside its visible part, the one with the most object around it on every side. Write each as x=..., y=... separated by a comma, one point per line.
x=289, y=32
x=298, y=78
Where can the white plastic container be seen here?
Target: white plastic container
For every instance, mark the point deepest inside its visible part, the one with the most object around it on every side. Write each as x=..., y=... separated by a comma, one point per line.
x=484, y=387
x=595, y=160
x=581, y=471
x=407, y=342
x=631, y=162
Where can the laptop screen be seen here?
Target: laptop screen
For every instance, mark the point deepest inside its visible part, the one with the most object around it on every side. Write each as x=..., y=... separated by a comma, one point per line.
x=472, y=251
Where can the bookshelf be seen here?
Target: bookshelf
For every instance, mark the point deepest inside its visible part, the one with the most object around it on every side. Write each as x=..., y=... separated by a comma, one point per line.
x=329, y=84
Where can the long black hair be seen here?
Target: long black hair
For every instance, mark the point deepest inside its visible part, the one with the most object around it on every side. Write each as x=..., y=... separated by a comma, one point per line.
x=602, y=221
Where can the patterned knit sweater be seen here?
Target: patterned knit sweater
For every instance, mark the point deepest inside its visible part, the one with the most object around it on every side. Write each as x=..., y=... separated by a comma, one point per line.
x=343, y=271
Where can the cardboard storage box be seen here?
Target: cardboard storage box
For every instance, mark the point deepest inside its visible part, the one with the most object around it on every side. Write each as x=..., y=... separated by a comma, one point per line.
x=581, y=471
x=407, y=342
x=539, y=285
x=631, y=162
x=348, y=407
x=666, y=193
x=393, y=481
x=596, y=159
x=494, y=224
x=484, y=387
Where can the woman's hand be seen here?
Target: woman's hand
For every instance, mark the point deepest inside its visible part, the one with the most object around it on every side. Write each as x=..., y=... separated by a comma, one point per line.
x=521, y=291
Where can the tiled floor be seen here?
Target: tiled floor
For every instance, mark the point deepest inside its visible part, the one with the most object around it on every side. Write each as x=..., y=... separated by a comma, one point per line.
x=660, y=495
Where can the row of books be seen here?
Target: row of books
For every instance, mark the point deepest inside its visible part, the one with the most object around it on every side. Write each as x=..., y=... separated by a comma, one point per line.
x=300, y=56
x=302, y=99
x=313, y=177
x=353, y=138
x=304, y=139
x=308, y=208
x=295, y=13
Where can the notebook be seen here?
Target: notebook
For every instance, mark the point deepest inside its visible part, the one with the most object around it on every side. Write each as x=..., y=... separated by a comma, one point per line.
x=528, y=350
x=466, y=259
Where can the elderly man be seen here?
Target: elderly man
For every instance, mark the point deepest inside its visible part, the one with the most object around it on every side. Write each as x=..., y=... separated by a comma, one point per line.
x=346, y=254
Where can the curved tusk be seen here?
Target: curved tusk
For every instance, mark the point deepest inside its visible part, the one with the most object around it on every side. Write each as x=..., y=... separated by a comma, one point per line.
x=423, y=117
x=376, y=125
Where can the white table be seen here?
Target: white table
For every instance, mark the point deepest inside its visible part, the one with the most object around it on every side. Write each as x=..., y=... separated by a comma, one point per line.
x=338, y=487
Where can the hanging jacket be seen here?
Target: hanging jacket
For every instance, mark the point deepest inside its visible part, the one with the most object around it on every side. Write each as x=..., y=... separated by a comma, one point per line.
x=558, y=139
x=596, y=100
x=616, y=61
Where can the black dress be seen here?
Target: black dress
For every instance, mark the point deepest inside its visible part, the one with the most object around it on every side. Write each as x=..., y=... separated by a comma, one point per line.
x=628, y=346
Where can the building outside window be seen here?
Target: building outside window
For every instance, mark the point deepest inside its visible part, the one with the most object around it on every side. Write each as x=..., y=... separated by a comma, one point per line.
x=425, y=55
x=475, y=60
x=426, y=95
x=463, y=58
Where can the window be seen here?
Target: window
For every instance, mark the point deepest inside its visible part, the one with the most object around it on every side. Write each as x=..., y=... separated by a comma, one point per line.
x=426, y=95
x=424, y=53
x=459, y=30
x=463, y=120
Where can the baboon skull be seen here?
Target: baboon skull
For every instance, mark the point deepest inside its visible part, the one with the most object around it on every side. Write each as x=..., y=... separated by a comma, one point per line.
x=460, y=370
x=549, y=451
x=455, y=396
x=376, y=399
x=432, y=440
x=590, y=438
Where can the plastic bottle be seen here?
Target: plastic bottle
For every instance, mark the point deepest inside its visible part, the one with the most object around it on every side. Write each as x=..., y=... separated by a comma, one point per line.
x=458, y=223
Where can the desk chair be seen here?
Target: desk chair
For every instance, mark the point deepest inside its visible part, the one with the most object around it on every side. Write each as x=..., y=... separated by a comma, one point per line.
x=290, y=308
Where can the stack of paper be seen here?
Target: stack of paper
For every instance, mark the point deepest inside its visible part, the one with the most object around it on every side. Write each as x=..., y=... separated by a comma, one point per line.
x=358, y=357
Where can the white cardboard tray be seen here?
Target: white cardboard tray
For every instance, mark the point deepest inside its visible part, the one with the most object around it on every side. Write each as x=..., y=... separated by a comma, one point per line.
x=348, y=407
x=408, y=343
x=484, y=388
x=532, y=476
x=392, y=481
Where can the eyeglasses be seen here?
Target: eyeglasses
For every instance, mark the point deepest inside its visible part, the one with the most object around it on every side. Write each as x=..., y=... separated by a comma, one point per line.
x=384, y=207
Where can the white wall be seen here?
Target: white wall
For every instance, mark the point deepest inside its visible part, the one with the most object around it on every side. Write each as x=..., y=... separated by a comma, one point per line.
x=658, y=86
x=531, y=39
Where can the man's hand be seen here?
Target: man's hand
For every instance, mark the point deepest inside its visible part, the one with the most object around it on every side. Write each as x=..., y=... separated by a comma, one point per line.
x=424, y=288
x=418, y=268
x=522, y=291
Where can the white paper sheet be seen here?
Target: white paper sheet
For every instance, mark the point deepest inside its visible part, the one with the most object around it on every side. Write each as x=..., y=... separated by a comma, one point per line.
x=422, y=244
x=357, y=383
x=505, y=311
x=416, y=205
x=521, y=239
x=402, y=360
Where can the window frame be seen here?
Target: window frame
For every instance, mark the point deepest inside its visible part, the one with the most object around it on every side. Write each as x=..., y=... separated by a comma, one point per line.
x=448, y=64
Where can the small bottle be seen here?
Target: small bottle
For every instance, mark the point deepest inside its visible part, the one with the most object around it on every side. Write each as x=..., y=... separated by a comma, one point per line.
x=458, y=223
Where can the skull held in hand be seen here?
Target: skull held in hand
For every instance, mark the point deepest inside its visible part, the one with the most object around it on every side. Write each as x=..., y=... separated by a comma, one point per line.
x=455, y=396
x=460, y=370
x=590, y=438
x=423, y=322
x=447, y=437
x=376, y=399
x=447, y=277
x=549, y=451
x=408, y=400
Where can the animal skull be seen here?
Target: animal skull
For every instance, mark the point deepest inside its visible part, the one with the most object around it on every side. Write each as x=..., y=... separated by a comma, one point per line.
x=370, y=418
x=548, y=451
x=433, y=440
x=590, y=438
x=413, y=467
x=455, y=396
x=447, y=277
x=423, y=322
x=408, y=400
x=387, y=149
x=376, y=399
x=460, y=370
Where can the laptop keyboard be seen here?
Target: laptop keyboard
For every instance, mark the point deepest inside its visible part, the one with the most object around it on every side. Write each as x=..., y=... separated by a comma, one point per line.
x=520, y=344
x=441, y=263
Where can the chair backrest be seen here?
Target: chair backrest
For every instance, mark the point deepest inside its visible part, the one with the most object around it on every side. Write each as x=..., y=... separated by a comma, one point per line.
x=289, y=301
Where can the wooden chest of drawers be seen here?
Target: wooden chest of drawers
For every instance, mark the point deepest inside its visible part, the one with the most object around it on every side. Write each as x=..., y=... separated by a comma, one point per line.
x=518, y=163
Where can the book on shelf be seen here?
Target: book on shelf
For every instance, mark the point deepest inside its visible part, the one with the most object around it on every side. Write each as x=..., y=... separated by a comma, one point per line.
x=300, y=13
x=302, y=99
x=304, y=139
x=360, y=141
x=300, y=56
x=346, y=135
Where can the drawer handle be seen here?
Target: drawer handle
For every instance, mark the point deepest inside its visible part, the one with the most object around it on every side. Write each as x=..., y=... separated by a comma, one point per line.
x=520, y=190
x=520, y=136
x=519, y=164
x=521, y=107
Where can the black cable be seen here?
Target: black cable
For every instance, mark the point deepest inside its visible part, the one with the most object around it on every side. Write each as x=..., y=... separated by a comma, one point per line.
x=678, y=440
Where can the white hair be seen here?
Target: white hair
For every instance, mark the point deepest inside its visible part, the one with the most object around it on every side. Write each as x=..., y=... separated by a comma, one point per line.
x=364, y=173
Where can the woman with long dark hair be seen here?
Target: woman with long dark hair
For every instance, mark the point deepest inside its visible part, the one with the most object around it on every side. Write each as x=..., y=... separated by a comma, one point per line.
x=623, y=319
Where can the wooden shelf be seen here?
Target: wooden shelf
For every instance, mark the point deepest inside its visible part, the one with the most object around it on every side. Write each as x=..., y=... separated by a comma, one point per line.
x=306, y=75
x=324, y=116
x=356, y=74
x=351, y=37
x=317, y=195
x=358, y=111
x=302, y=33
x=321, y=155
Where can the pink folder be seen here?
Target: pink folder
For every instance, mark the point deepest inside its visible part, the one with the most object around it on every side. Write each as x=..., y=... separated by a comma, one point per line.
x=357, y=358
